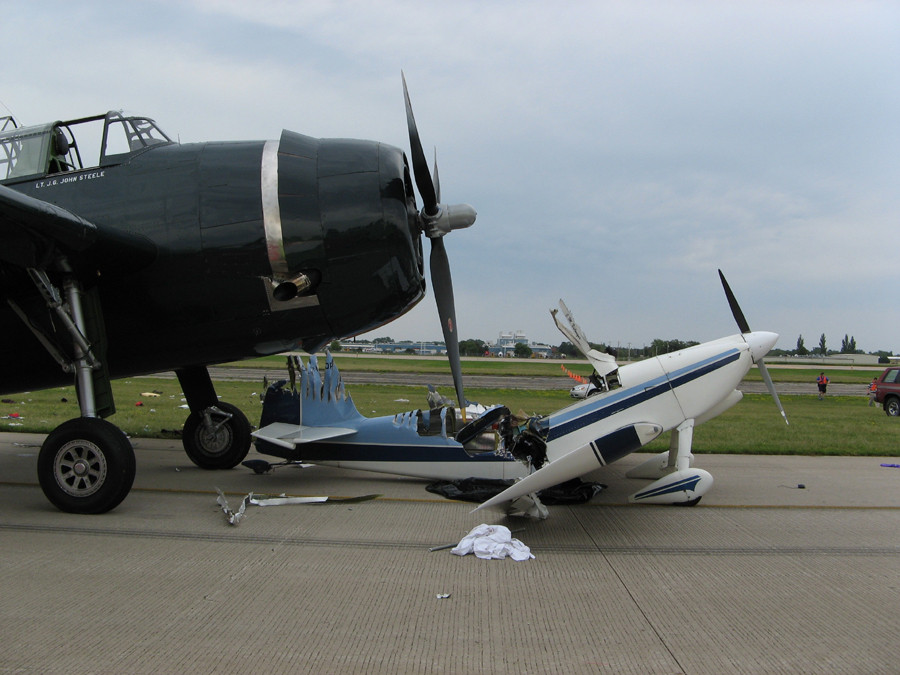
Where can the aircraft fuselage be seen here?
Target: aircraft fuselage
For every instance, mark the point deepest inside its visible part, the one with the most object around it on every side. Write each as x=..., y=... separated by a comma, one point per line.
x=225, y=223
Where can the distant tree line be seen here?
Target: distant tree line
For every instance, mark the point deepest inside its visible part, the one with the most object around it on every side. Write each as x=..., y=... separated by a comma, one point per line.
x=474, y=347
x=848, y=346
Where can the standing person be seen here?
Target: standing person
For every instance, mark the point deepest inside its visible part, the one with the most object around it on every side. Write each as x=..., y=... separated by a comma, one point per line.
x=822, y=381
x=873, y=389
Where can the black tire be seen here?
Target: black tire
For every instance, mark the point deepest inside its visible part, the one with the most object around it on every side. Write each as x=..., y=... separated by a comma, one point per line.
x=892, y=406
x=86, y=465
x=223, y=448
x=690, y=503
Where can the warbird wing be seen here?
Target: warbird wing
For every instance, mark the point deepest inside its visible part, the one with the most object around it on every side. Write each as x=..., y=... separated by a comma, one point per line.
x=34, y=232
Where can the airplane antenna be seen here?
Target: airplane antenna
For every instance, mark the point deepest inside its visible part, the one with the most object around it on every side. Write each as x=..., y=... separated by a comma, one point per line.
x=10, y=119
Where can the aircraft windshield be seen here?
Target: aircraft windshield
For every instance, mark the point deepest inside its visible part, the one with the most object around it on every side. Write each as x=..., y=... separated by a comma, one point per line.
x=23, y=152
x=79, y=144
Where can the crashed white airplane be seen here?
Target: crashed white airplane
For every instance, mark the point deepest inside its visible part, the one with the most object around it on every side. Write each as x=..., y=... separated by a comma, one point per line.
x=634, y=404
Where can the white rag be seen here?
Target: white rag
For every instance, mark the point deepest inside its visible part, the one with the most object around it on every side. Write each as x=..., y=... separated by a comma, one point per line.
x=492, y=542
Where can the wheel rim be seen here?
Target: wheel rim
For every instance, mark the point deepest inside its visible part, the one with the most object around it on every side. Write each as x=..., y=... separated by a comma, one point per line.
x=216, y=441
x=79, y=468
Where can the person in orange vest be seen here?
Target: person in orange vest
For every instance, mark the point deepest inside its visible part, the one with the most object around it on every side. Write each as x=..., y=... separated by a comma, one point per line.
x=873, y=389
x=822, y=381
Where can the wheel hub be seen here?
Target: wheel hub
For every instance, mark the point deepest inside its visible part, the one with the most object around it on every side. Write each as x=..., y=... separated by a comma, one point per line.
x=216, y=440
x=80, y=468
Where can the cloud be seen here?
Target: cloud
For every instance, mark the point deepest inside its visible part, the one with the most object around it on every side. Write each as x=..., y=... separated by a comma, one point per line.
x=617, y=153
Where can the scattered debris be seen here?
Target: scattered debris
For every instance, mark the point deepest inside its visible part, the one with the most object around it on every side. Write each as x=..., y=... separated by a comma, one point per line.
x=528, y=506
x=891, y=466
x=443, y=596
x=281, y=500
x=492, y=542
x=150, y=394
x=260, y=466
x=235, y=517
x=478, y=490
x=232, y=517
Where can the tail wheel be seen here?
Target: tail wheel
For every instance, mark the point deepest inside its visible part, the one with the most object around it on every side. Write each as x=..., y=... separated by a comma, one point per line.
x=86, y=465
x=217, y=438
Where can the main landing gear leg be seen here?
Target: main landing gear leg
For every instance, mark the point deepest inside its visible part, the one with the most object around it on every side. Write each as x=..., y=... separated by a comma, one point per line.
x=85, y=465
x=216, y=435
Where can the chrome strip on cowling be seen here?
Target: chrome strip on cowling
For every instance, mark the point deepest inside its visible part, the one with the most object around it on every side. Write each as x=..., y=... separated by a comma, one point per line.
x=272, y=210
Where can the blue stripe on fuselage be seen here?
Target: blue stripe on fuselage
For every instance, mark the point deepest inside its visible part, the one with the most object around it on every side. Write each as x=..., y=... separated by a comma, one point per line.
x=343, y=451
x=603, y=406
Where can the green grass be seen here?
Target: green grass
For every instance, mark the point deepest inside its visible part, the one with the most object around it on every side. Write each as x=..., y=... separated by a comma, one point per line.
x=837, y=376
x=541, y=368
x=839, y=425
x=412, y=364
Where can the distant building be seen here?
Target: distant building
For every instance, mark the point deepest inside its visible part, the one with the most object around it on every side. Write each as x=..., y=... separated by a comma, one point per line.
x=505, y=345
x=404, y=347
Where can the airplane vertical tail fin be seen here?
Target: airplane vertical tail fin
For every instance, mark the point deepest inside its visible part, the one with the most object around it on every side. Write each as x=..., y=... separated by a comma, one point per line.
x=323, y=398
x=603, y=364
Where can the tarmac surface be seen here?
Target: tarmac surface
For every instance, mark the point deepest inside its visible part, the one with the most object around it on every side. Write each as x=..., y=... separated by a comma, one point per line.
x=761, y=577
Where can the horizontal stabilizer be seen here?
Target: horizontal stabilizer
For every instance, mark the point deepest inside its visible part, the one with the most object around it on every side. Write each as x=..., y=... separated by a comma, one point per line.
x=291, y=435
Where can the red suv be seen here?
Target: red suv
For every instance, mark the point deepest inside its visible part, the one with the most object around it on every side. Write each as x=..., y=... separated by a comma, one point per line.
x=888, y=391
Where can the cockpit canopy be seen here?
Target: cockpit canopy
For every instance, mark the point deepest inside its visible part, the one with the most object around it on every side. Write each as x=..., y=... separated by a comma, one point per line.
x=86, y=143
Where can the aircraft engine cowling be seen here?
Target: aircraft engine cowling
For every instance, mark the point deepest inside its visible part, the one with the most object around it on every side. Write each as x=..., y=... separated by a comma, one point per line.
x=343, y=216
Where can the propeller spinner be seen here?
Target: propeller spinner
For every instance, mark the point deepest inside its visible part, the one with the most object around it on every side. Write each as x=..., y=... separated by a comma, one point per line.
x=437, y=220
x=760, y=343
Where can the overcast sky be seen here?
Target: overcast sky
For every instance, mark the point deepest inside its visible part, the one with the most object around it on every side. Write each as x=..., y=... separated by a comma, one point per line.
x=617, y=153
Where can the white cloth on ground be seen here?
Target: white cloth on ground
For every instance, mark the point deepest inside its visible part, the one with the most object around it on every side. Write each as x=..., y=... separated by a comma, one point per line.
x=492, y=542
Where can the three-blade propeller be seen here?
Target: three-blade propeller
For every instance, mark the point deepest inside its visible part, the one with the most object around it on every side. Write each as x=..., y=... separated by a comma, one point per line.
x=744, y=327
x=437, y=220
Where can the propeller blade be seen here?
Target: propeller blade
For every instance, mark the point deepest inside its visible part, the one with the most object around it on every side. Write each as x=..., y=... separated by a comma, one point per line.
x=443, y=294
x=436, y=179
x=420, y=165
x=771, y=387
x=743, y=326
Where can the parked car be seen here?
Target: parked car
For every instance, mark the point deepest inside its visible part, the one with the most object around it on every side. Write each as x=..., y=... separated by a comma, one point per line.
x=583, y=390
x=887, y=391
